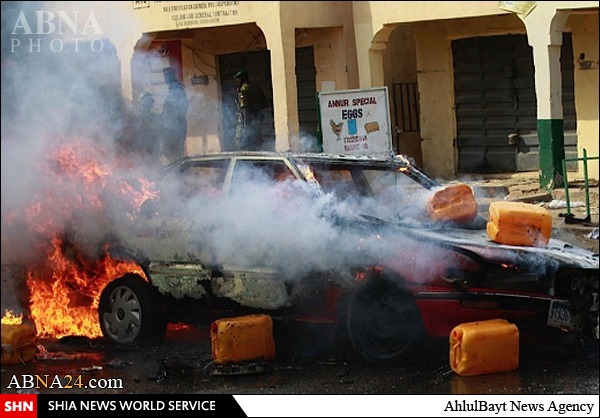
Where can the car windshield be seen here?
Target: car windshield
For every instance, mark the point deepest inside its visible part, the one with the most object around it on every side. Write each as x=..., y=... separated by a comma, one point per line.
x=383, y=190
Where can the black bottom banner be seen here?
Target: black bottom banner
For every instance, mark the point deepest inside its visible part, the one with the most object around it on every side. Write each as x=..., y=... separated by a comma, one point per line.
x=180, y=406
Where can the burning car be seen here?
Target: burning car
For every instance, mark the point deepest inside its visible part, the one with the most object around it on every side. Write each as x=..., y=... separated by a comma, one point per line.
x=369, y=243
x=350, y=240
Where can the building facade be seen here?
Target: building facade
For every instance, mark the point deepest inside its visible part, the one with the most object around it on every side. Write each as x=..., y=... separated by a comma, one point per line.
x=475, y=87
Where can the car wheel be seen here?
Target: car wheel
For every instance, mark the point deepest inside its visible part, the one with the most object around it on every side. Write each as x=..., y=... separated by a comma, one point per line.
x=129, y=312
x=384, y=323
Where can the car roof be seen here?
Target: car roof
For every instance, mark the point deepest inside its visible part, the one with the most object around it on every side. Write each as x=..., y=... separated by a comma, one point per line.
x=387, y=159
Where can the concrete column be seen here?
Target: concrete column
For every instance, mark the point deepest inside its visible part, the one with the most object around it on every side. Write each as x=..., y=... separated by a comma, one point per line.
x=550, y=116
x=544, y=33
x=436, y=100
x=125, y=53
x=364, y=35
x=282, y=46
x=370, y=53
x=376, y=65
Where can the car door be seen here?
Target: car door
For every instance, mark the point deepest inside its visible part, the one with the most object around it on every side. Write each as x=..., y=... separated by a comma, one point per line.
x=243, y=253
x=179, y=259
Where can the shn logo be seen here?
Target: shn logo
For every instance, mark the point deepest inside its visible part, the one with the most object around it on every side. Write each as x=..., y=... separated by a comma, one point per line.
x=18, y=406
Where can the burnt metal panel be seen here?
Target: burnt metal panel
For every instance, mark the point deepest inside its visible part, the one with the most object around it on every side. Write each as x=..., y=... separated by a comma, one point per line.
x=255, y=288
x=181, y=280
x=495, y=96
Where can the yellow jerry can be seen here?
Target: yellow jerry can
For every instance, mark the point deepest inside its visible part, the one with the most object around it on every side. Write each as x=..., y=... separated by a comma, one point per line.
x=455, y=203
x=242, y=338
x=484, y=347
x=518, y=223
x=18, y=343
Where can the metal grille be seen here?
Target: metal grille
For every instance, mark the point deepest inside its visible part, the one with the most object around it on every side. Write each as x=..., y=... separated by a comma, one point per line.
x=406, y=106
x=495, y=97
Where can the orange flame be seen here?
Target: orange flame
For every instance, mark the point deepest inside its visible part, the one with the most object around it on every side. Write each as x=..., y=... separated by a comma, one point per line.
x=65, y=287
x=138, y=197
x=404, y=159
x=309, y=174
x=179, y=326
x=72, y=165
x=69, y=160
x=10, y=318
x=65, y=294
x=368, y=272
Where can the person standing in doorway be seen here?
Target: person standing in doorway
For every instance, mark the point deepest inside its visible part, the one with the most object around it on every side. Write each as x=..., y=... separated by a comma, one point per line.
x=139, y=141
x=146, y=140
x=174, y=117
x=250, y=102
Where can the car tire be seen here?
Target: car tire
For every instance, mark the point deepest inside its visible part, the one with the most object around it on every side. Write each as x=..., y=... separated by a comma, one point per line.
x=384, y=323
x=129, y=312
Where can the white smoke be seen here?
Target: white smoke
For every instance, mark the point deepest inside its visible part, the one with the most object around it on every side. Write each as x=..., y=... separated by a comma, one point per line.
x=72, y=100
x=55, y=100
x=59, y=94
x=289, y=226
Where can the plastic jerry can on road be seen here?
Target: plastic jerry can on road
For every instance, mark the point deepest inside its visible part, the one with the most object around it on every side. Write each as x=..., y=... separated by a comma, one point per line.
x=518, y=223
x=242, y=338
x=18, y=343
x=484, y=347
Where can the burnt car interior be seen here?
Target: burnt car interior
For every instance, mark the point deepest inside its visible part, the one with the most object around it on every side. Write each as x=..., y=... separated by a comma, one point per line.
x=251, y=171
x=203, y=177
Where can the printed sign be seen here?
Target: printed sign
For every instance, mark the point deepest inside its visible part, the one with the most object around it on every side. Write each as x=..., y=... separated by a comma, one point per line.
x=355, y=121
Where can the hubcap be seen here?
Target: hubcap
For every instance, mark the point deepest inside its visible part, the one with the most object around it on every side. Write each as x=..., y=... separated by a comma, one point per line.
x=123, y=319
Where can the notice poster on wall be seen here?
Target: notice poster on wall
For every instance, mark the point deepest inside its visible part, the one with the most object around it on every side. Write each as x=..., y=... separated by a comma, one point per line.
x=355, y=121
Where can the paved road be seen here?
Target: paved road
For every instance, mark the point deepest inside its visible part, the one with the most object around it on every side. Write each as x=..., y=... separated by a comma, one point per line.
x=183, y=364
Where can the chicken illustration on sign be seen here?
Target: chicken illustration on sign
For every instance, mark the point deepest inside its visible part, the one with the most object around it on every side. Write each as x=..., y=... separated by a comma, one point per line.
x=336, y=128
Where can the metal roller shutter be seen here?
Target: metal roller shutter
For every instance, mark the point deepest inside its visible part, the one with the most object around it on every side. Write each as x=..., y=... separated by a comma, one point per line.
x=495, y=96
x=307, y=97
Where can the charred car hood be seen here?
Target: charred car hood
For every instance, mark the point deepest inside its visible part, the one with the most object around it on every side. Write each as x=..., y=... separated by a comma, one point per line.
x=479, y=243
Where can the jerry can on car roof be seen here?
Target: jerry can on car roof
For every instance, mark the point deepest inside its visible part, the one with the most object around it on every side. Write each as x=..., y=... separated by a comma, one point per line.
x=484, y=347
x=455, y=202
x=518, y=223
x=18, y=343
x=242, y=338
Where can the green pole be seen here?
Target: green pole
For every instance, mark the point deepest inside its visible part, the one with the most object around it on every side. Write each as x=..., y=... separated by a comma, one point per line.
x=551, y=151
x=587, y=189
x=566, y=183
x=319, y=127
x=585, y=160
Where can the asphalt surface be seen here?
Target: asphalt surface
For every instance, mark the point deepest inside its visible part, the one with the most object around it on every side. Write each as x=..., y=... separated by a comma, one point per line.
x=303, y=365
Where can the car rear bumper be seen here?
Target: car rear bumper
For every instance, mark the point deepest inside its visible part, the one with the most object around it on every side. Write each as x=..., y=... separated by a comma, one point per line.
x=441, y=312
